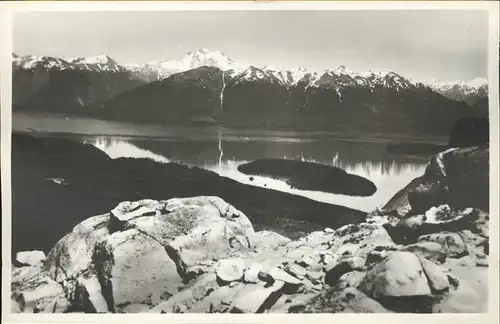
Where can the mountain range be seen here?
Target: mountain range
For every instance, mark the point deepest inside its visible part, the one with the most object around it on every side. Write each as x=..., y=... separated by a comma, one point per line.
x=210, y=88
x=468, y=91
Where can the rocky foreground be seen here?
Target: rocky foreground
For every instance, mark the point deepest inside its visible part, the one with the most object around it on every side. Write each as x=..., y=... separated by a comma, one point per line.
x=202, y=255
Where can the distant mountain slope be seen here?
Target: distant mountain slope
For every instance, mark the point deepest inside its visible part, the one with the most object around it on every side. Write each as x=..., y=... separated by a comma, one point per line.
x=255, y=97
x=210, y=88
x=181, y=98
x=50, y=84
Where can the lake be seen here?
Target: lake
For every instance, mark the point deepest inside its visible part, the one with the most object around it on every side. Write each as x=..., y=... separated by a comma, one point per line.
x=222, y=150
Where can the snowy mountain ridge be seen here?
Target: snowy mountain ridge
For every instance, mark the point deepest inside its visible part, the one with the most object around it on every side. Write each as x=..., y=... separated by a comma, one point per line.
x=335, y=78
x=467, y=87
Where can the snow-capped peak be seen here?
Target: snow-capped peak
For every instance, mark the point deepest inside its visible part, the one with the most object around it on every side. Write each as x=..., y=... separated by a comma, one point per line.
x=98, y=63
x=478, y=82
x=458, y=90
x=98, y=59
x=339, y=70
x=193, y=60
x=474, y=83
x=204, y=57
x=29, y=62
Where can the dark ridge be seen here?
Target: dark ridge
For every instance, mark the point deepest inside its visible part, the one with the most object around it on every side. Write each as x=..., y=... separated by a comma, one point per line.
x=470, y=132
x=311, y=176
x=92, y=184
x=194, y=98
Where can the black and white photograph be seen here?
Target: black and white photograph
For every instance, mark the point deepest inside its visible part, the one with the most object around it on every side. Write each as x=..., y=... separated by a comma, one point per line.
x=251, y=161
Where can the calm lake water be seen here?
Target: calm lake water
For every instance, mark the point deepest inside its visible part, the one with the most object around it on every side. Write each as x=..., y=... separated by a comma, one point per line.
x=222, y=150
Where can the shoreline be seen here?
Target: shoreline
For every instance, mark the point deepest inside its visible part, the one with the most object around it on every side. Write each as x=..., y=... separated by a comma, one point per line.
x=66, y=181
x=156, y=131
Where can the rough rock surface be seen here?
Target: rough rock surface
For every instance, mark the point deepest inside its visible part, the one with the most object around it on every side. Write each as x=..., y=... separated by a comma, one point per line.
x=30, y=257
x=201, y=255
x=458, y=177
x=400, y=274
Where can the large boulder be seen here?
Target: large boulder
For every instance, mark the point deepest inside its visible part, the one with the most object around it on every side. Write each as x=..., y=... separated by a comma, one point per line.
x=408, y=229
x=143, y=252
x=399, y=275
x=458, y=177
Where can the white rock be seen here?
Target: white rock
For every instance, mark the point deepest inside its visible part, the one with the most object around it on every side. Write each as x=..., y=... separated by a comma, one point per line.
x=438, y=280
x=252, y=299
x=30, y=257
x=452, y=244
x=73, y=253
x=140, y=267
x=93, y=289
x=279, y=274
x=154, y=256
x=265, y=240
x=252, y=273
x=230, y=270
x=295, y=270
x=34, y=291
x=351, y=279
x=430, y=250
x=127, y=210
x=400, y=274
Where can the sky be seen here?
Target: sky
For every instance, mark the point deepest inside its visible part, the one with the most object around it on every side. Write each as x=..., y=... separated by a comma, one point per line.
x=422, y=45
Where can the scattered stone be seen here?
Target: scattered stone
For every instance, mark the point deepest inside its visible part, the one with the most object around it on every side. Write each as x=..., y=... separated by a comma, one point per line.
x=295, y=270
x=432, y=251
x=438, y=280
x=33, y=291
x=127, y=210
x=266, y=277
x=315, y=276
x=30, y=257
x=452, y=244
x=230, y=270
x=332, y=276
x=308, y=260
x=252, y=274
x=400, y=274
x=195, y=255
x=257, y=299
x=349, y=300
x=267, y=240
x=351, y=279
x=281, y=275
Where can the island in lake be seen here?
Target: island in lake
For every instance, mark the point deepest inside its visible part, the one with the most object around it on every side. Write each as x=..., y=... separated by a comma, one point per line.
x=311, y=176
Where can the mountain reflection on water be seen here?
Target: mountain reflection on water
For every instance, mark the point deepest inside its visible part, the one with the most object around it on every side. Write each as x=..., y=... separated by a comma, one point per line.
x=389, y=172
